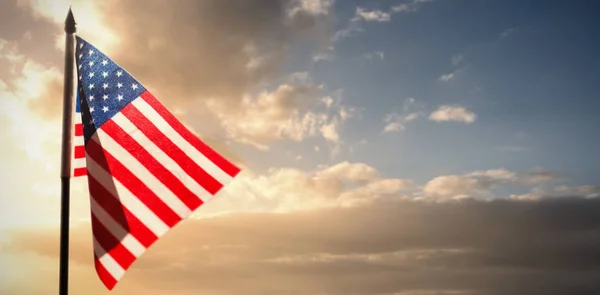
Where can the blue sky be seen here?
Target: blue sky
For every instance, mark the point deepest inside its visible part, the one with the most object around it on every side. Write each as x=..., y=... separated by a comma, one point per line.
x=512, y=84
x=527, y=69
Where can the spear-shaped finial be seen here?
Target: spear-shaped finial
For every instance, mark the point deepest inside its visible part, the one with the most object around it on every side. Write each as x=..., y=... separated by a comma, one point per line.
x=70, y=25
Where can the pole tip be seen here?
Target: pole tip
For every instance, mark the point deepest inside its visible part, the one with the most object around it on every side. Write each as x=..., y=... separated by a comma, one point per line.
x=70, y=25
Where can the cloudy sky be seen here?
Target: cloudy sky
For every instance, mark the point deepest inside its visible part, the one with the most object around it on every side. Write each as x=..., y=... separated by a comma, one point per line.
x=388, y=147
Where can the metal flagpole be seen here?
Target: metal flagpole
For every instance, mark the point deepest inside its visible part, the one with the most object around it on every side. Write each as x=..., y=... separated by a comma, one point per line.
x=66, y=155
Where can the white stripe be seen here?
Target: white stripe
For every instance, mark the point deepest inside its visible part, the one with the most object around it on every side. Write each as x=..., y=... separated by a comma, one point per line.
x=160, y=156
x=109, y=263
x=78, y=163
x=76, y=118
x=183, y=144
x=129, y=200
x=155, y=185
x=131, y=243
x=78, y=140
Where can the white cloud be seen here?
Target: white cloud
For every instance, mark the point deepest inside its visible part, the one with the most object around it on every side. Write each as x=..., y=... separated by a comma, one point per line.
x=453, y=186
x=350, y=171
x=447, y=77
x=285, y=113
x=322, y=56
x=412, y=117
x=371, y=16
x=447, y=113
x=288, y=189
x=408, y=7
x=352, y=29
x=526, y=197
x=396, y=122
x=454, y=74
x=329, y=131
x=495, y=174
x=482, y=182
x=589, y=191
x=374, y=54
x=392, y=127
x=312, y=7
x=539, y=177
x=540, y=193
x=327, y=101
x=376, y=15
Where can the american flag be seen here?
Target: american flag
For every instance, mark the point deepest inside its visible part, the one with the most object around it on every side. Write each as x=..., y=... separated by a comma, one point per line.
x=78, y=160
x=146, y=171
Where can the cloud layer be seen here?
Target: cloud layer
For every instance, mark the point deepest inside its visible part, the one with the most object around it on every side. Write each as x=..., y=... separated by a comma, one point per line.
x=500, y=247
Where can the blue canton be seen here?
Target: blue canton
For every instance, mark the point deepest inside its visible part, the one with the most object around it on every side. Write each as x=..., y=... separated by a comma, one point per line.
x=104, y=87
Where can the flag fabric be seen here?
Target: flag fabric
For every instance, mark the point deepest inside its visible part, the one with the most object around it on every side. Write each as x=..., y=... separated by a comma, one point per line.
x=146, y=171
x=78, y=161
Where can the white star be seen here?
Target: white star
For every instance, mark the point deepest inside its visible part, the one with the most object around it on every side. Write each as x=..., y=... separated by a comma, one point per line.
x=91, y=63
x=79, y=77
x=91, y=86
x=105, y=109
x=91, y=74
x=80, y=66
x=105, y=97
x=104, y=62
x=91, y=109
x=91, y=97
x=119, y=85
x=80, y=55
x=134, y=86
x=119, y=73
x=104, y=74
x=91, y=52
x=119, y=97
x=80, y=45
x=105, y=85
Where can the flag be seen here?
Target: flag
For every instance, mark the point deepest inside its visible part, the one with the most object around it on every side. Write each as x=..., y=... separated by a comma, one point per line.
x=78, y=160
x=146, y=171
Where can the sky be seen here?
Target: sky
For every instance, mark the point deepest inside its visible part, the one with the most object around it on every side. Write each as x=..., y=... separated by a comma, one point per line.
x=392, y=147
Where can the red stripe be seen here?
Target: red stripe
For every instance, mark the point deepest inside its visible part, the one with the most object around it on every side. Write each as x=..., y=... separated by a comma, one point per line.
x=163, y=174
x=171, y=149
x=79, y=172
x=120, y=213
x=220, y=161
x=78, y=129
x=112, y=244
x=133, y=184
x=104, y=275
x=79, y=152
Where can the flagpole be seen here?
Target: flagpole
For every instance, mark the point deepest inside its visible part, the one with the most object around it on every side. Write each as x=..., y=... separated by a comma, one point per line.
x=66, y=154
